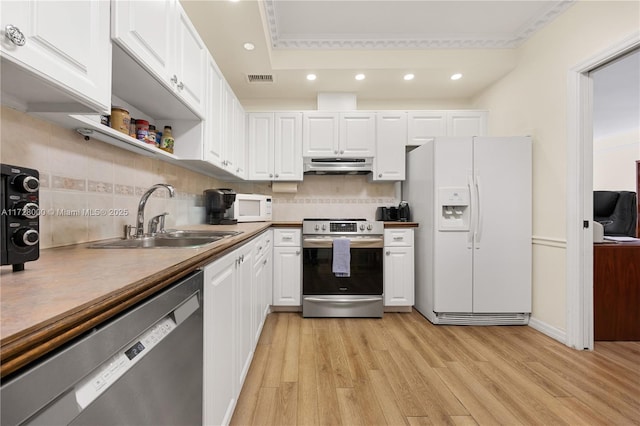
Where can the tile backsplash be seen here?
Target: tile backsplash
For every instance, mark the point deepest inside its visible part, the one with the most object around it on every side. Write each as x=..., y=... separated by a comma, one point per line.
x=90, y=189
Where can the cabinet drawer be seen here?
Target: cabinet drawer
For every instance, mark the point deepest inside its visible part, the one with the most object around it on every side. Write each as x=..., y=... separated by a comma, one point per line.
x=398, y=237
x=286, y=237
x=262, y=245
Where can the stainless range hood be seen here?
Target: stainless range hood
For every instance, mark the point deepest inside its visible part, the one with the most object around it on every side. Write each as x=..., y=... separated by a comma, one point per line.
x=337, y=166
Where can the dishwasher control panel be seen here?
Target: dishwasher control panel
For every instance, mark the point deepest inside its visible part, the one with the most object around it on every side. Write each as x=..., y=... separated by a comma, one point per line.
x=104, y=376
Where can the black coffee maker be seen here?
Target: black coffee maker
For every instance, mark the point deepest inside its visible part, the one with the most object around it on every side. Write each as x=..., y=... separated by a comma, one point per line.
x=217, y=202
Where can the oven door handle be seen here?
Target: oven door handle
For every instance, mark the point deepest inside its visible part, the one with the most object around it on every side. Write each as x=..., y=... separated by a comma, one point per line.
x=362, y=300
x=355, y=242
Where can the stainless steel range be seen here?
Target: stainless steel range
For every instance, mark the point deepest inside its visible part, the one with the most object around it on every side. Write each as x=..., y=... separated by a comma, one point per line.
x=342, y=268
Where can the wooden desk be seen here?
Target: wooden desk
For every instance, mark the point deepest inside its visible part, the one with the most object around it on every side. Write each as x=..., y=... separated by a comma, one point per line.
x=616, y=291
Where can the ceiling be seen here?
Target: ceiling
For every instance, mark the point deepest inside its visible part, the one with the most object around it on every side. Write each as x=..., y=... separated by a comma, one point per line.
x=383, y=39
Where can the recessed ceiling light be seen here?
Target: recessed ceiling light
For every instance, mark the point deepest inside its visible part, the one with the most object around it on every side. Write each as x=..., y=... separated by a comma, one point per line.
x=249, y=46
x=311, y=77
x=456, y=76
x=408, y=77
x=360, y=77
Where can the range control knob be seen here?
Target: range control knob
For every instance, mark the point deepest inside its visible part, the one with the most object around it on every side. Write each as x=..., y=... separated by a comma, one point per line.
x=317, y=227
x=362, y=227
x=25, y=237
x=324, y=227
x=369, y=227
x=26, y=183
x=27, y=210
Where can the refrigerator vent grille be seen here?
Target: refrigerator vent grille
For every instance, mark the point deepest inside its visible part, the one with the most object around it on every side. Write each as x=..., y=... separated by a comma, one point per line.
x=482, y=319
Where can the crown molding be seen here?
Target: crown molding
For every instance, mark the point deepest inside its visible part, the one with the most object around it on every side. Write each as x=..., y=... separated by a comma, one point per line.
x=412, y=41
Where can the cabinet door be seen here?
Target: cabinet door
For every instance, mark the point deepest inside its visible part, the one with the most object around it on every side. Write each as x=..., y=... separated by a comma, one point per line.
x=188, y=77
x=219, y=340
x=261, y=145
x=320, y=133
x=287, y=152
x=425, y=125
x=286, y=276
x=391, y=137
x=466, y=123
x=213, y=137
x=145, y=30
x=240, y=151
x=66, y=43
x=244, y=303
x=398, y=276
x=357, y=134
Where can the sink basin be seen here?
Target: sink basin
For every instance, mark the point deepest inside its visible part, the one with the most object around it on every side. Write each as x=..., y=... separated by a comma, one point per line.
x=170, y=239
x=199, y=234
x=158, y=242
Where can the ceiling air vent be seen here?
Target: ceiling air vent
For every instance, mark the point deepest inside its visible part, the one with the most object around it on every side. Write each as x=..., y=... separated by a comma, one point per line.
x=260, y=78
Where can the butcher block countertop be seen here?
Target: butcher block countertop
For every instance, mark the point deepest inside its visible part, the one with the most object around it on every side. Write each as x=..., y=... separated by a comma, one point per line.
x=70, y=290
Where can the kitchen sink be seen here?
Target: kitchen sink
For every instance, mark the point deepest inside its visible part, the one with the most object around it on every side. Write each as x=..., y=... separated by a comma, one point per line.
x=169, y=239
x=199, y=234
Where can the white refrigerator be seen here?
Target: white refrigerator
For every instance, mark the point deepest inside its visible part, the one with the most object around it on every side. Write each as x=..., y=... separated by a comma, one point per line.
x=472, y=199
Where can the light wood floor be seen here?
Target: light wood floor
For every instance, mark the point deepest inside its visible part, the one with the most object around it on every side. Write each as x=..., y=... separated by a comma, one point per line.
x=403, y=370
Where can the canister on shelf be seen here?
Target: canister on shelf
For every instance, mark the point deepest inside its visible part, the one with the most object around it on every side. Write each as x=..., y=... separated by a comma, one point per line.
x=151, y=136
x=142, y=130
x=132, y=128
x=167, y=140
x=120, y=119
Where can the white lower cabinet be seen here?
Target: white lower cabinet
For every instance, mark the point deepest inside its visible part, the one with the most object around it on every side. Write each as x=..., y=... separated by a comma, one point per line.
x=399, y=281
x=287, y=267
x=219, y=340
x=235, y=289
x=262, y=283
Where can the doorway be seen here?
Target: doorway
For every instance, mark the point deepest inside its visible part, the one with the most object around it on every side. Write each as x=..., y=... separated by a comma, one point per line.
x=579, y=333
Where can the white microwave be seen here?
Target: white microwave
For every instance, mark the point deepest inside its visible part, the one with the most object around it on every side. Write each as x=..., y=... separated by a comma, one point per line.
x=251, y=208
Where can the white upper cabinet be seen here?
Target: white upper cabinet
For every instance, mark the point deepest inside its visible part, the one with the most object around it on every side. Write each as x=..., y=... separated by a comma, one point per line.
x=287, y=153
x=425, y=125
x=391, y=136
x=150, y=45
x=467, y=123
x=213, y=144
x=321, y=133
x=275, y=146
x=49, y=45
x=159, y=35
x=261, y=145
x=339, y=134
x=190, y=67
x=357, y=134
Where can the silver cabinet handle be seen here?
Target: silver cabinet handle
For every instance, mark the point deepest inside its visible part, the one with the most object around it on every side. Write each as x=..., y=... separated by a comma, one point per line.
x=264, y=262
x=342, y=152
x=388, y=253
x=380, y=175
x=174, y=79
x=15, y=35
x=398, y=238
x=181, y=86
x=270, y=175
x=297, y=252
x=335, y=152
x=277, y=175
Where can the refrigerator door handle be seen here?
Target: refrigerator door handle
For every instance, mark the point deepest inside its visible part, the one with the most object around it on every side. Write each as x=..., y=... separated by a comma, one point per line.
x=472, y=212
x=478, y=227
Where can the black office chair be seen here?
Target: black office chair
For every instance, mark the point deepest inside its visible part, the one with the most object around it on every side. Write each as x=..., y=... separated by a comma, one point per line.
x=616, y=211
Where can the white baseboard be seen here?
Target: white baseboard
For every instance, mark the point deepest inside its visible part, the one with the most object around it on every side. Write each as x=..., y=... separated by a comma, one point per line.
x=551, y=331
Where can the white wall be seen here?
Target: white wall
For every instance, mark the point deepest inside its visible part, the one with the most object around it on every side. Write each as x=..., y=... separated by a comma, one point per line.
x=532, y=100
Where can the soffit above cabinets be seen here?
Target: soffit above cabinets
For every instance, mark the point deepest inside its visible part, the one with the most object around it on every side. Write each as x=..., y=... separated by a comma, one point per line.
x=401, y=24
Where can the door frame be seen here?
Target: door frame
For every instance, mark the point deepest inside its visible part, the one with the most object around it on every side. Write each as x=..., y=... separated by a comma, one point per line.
x=579, y=291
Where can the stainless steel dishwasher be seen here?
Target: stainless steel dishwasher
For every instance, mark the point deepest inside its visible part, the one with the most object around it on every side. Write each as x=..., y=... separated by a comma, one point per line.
x=143, y=367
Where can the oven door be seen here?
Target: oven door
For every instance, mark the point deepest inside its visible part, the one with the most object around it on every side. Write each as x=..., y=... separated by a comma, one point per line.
x=326, y=295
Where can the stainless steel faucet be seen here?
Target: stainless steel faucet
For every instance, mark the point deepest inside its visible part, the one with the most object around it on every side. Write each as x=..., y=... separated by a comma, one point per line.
x=143, y=202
